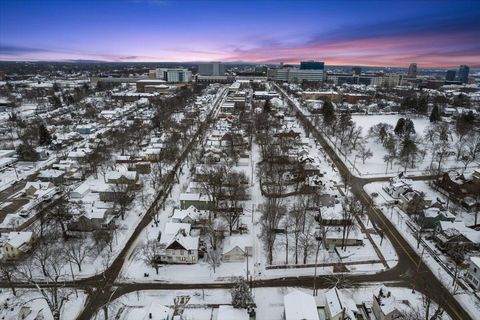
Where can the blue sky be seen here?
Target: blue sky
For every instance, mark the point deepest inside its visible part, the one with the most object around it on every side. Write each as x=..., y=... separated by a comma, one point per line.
x=394, y=33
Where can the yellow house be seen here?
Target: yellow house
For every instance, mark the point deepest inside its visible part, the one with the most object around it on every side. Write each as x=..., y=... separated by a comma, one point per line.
x=18, y=244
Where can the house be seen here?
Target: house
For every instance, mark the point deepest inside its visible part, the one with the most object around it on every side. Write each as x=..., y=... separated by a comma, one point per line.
x=81, y=191
x=334, y=216
x=384, y=305
x=300, y=306
x=397, y=186
x=472, y=276
x=339, y=307
x=79, y=155
x=236, y=248
x=429, y=217
x=154, y=311
x=190, y=215
x=198, y=200
x=51, y=175
x=458, y=185
x=227, y=312
x=93, y=219
x=123, y=177
x=414, y=202
x=177, y=244
x=18, y=244
x=450, y=234
x=334, y=237
x=38, y=189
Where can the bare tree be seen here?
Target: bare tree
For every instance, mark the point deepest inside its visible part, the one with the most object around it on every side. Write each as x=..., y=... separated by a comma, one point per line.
x=272, y=213
x=213, y=257
x=151, y=253
x=76, y=251
x=235, y=191
x=122, y=196
x=8, y=273
x=54, y=292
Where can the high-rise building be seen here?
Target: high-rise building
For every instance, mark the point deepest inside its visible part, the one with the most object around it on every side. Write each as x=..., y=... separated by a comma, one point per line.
x=357, y=70
x=412, y=70
x=211, y=69
x=312, y=65
x=450, y=76
x=463, y=73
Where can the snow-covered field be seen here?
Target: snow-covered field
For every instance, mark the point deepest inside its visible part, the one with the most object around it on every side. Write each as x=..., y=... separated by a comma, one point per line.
x=376, y=165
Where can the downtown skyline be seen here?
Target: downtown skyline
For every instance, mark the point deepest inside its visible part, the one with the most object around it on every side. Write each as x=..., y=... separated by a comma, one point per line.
x=368, y=33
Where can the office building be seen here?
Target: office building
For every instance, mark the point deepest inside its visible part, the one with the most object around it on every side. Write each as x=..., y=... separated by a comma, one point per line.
x=171, y=74
x=450, y=76
x=312, y=65
x=299, y=75
x=412, y=70
x=211, y=69
x=463, y=73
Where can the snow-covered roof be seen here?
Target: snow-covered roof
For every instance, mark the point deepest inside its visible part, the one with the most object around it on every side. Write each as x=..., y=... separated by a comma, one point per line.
x=433, y=212
x=156, y=310
x=241, y=241
x=193, y=197
x=386, y=300
x=337, y=303
x=300, y=305
x=459, y=226
x=115, y=175
x=227, y=312
x=50, y=173
x=17, y=239
x=475, y=261
x=191, y=212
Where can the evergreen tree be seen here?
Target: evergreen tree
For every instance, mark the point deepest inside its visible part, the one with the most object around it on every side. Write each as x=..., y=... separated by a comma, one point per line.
x=55, y=101
x=422, y=104
x=328, y=113
x=26, y=152
x=409, y=127
x=400, y=127
x=45, y=138
x=241, y=295
x=435, y=115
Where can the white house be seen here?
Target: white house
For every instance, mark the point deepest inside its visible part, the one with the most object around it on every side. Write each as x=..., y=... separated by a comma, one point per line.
x=236, y=247
x=300, y=306
x=338, y=307
x=397, y=186
x=473, y=273
x=177, y=244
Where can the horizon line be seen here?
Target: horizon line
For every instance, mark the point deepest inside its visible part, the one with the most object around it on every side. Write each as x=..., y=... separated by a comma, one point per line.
x=232, y=62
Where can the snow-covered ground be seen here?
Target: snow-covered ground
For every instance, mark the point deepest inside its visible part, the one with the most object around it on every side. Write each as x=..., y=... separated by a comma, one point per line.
x=403, y=223
x=34, y=300
x=135, y=268
x=203, y=304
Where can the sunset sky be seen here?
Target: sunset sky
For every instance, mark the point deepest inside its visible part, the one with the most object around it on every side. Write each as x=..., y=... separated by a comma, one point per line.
x=374, y=33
